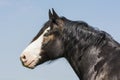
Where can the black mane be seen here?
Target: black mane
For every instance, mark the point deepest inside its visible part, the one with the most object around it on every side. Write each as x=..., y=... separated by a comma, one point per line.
x=81, y=32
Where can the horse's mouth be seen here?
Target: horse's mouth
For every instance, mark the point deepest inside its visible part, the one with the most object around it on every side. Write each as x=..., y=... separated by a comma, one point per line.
x=31, y=65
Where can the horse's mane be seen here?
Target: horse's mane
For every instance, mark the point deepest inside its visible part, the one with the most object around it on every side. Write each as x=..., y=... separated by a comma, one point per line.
x=82, y=35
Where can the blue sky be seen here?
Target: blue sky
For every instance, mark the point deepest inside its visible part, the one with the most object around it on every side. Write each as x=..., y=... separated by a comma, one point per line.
x=21, y=20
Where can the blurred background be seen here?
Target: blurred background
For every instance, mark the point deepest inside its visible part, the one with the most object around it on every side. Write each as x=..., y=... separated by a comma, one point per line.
x=20, y=21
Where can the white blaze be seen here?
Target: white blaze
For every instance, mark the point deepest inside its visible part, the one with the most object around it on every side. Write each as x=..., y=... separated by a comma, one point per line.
x=32, y=52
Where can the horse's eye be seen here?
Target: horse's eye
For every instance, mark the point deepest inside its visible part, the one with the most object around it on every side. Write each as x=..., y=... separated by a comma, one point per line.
x=47, y=33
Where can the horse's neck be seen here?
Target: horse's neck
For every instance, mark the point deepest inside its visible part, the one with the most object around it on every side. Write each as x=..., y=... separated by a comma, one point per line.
x=74, y=65
x=74, y=58
x=83, y=57
x=84, y=64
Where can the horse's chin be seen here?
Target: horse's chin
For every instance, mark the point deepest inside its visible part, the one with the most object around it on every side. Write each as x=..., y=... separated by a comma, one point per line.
x=31, y=64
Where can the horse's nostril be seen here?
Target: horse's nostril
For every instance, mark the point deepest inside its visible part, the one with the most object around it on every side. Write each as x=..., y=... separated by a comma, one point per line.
x=23, y=58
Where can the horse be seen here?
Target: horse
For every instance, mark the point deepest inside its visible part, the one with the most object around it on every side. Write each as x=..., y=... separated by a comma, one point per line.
x=92, y=53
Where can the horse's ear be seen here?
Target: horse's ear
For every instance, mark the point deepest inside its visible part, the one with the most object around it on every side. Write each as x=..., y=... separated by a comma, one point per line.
x=55, y=14
x=50, y=15
x=55, y=19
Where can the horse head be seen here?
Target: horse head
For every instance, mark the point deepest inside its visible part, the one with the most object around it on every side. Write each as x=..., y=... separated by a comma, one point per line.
x=46, y=45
